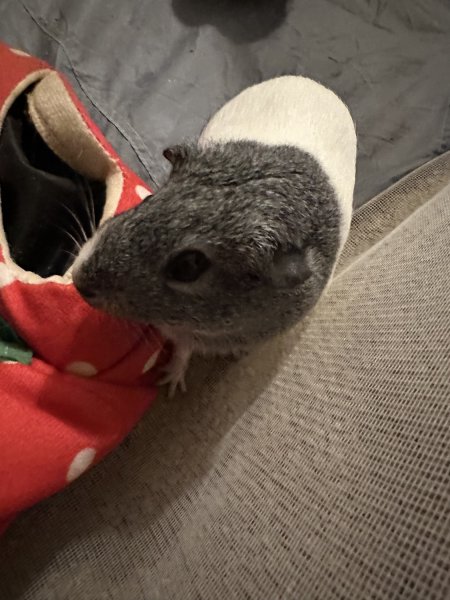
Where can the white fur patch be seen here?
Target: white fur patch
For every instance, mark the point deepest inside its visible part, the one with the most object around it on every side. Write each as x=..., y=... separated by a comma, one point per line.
x=296, y=111
x=85, y=252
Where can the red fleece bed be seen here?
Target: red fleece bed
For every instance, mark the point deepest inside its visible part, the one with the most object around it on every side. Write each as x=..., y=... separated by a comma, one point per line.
x=73, y=381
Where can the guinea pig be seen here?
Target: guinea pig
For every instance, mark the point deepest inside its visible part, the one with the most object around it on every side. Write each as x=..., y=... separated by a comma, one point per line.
x=242, y=240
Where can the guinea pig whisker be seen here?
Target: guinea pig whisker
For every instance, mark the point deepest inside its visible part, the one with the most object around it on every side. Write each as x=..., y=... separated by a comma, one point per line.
x=72, y=237
x=89, y=205
x=78, y=222
x=70, y=253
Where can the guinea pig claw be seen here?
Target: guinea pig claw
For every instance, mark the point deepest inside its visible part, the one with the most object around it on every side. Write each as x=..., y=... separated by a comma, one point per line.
x=177, y=385
x=175, y=379
x=175, y=371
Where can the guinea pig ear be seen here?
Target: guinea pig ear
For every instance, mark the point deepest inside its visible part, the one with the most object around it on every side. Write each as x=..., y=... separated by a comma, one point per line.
x=291, y=268
x=176, y=155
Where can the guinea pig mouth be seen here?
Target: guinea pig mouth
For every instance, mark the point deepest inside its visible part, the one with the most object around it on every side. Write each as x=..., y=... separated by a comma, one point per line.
x=90, y=294
x=216, y=332
x=108, y=306
x=93, y=291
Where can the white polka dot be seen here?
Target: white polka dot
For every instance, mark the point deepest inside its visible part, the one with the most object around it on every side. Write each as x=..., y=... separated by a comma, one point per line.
x=81, y=368
x=6, y=277
x=151, y=362
x=81, y=463
x=18, y=52
x=142, y=192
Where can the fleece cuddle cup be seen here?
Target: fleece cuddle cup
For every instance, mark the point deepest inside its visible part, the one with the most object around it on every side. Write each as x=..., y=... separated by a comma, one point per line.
x=91, y=377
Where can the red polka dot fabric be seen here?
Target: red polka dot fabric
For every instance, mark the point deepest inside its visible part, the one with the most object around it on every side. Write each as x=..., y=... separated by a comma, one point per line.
x=91, y=378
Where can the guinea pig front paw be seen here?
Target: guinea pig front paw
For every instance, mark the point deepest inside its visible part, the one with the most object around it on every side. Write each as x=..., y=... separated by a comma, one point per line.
x=175, y=380
x=175, y=373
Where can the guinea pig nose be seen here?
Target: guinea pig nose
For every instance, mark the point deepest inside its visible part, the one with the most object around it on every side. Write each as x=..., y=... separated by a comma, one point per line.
x=86, y=290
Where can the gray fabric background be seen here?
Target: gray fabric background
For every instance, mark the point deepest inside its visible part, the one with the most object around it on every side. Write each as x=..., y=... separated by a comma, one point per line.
x=152, y=72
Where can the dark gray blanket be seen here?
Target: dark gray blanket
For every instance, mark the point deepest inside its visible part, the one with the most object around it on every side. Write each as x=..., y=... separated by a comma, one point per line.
x=152, y=72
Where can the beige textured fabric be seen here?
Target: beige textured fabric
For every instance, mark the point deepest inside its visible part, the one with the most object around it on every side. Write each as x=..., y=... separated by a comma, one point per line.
x=60, y=124
x=316, y=468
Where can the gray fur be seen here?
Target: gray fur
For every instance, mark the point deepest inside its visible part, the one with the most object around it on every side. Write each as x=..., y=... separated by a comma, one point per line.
x=260, y=213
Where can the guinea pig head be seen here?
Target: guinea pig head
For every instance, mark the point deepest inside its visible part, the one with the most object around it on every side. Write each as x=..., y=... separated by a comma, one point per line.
x=240, y=242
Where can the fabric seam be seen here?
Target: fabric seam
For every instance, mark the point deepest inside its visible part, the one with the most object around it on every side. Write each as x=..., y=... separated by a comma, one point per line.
x=97, y=107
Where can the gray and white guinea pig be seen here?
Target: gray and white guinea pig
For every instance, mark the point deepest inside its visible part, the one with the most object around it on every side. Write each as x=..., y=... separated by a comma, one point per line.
x=241, y=241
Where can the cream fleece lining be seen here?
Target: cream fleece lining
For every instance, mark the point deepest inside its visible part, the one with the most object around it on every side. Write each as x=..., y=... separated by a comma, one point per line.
x=61, y=126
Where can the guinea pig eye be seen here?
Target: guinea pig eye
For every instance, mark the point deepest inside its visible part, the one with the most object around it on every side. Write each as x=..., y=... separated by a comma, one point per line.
x=187, y=266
